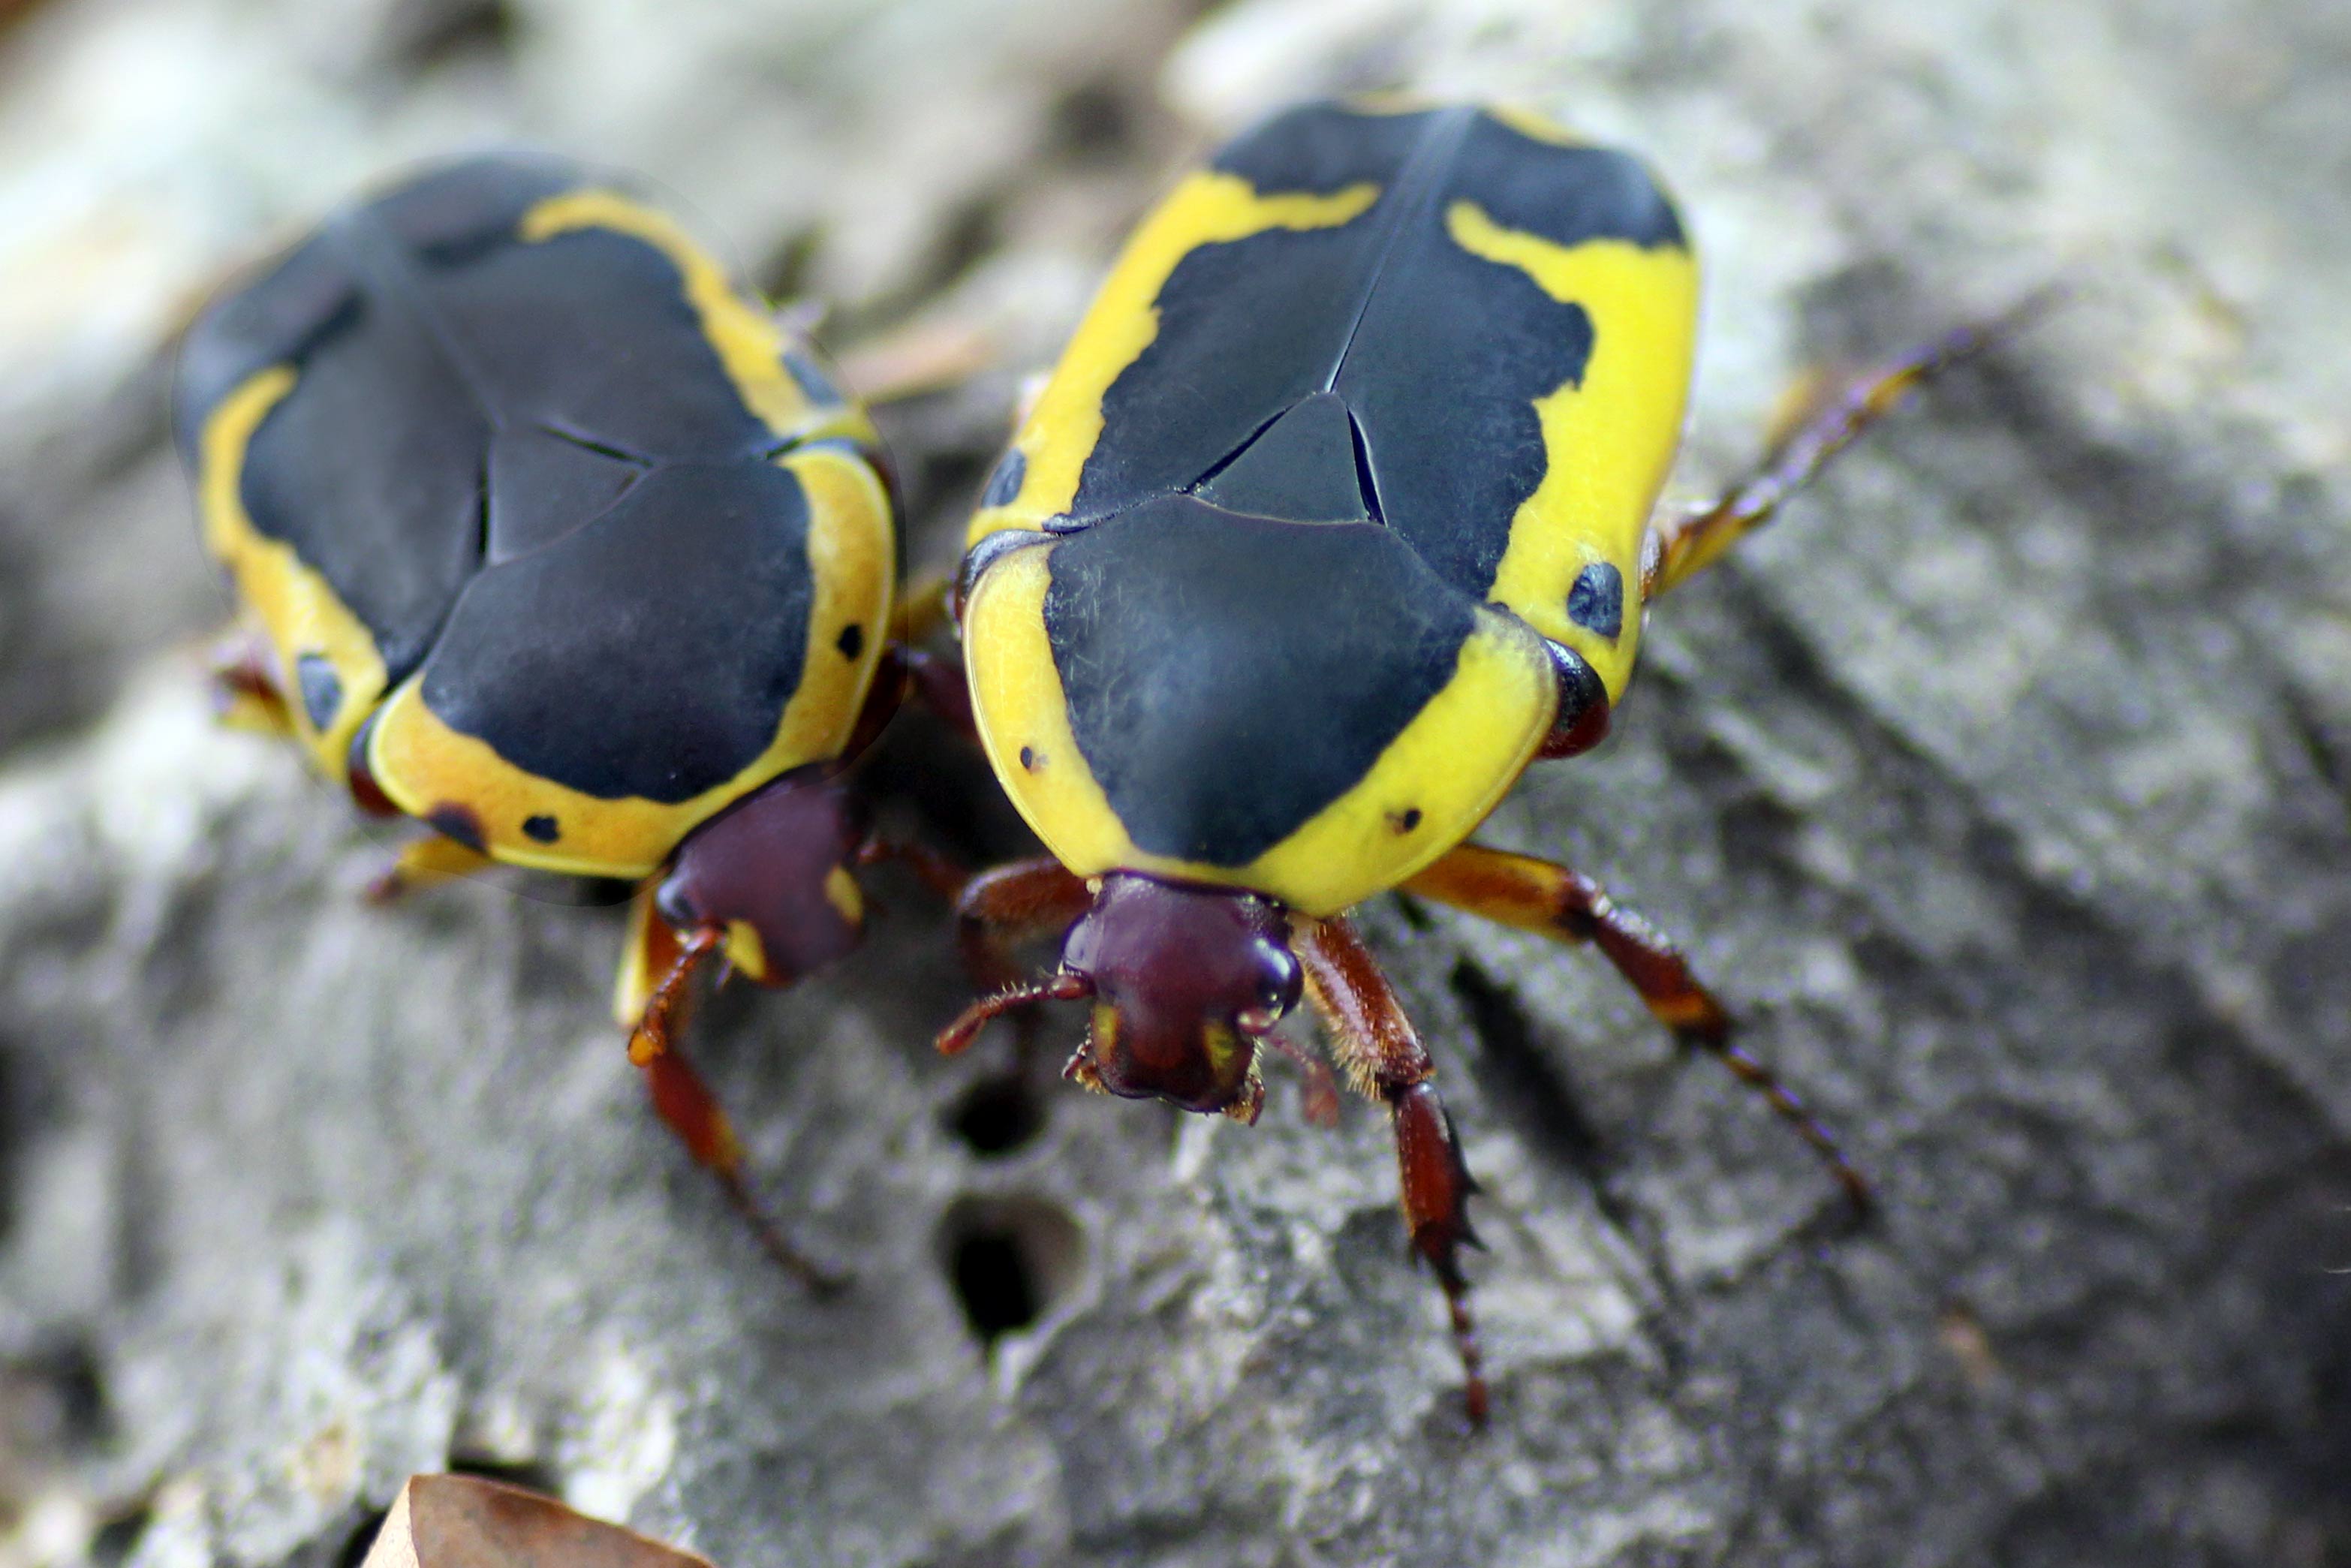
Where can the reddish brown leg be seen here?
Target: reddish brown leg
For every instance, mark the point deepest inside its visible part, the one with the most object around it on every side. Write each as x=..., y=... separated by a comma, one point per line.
x=244, y=686
x=936, y=679
x=692, y=1112
x=1001, y=910
x=1554, y=902
x=1384, y=1059
x=1825, y=423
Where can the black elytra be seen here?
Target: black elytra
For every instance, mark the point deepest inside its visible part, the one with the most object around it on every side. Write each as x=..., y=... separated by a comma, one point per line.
x=573, y=562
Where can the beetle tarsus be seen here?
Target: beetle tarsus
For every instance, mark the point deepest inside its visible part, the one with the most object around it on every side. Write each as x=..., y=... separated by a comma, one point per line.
x=1383, y=1059
x=687, y=1105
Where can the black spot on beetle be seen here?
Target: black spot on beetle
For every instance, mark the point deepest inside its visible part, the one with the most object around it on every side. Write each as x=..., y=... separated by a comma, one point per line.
x=458, y=822
x=542, y=828
x=322, y=690
x=1029, y=758
x=851, y=641
x=1596, y=602
x=1005, y=483
x=1406, y=820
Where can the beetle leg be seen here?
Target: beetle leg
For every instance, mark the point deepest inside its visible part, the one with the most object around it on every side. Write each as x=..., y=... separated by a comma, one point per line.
x=1827, y=418
x=1000, y=910
x=685, y=1102
x=422, y=861
x=1318, y=1094
x=1552, y=901
x=936, y=871
x=936, y=678
x=245, y=686
x=1383, y=1059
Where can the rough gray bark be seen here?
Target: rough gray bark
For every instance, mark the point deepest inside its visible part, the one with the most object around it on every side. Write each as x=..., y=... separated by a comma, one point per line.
x=2001, y=788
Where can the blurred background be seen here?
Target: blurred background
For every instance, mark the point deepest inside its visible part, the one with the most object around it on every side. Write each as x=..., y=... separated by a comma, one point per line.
x=2000, y=790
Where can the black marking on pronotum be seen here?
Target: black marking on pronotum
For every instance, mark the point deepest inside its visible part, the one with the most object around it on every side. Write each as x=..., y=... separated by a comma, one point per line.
x=851, y=641
x=541, y=828
x=1597, y=601
x=589, y=700
x=459, y=822
x=1176, y=633
x=322, y=690
x=1029, y=758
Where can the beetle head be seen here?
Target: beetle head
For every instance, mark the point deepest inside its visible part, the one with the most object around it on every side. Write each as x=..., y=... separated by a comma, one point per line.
x=774, y=864
x=1184, y=981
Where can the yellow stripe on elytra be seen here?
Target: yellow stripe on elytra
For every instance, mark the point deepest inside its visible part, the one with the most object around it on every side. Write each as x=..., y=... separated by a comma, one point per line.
x=422, y=763
x=1432, y=786
x=1060, y=433
x=749, y=342
x=300, y=612
x=1610, y=438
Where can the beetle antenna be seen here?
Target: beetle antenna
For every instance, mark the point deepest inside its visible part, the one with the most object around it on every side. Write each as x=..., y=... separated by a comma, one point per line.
x=1063, y=987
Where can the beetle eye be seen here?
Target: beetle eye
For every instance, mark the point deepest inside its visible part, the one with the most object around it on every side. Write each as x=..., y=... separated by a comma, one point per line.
x=1279, y=983
x=675, y=907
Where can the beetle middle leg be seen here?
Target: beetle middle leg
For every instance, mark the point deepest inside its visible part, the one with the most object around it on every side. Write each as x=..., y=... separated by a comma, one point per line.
x=1383, y=1059
x=1827, y=421
x=1552, y=901
x=680, y=1096
x=1001, y=910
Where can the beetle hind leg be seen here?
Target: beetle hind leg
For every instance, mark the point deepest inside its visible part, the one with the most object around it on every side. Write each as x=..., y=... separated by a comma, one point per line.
x=1383, y=1059
x=679, y=1097
x=1552, y=901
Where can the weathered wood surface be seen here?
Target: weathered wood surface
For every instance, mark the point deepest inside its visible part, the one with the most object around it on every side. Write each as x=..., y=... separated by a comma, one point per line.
x=2001, y=788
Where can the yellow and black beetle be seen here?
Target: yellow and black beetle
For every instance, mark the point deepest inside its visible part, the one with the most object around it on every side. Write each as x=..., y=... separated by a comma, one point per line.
x=1334, y=516
x=549, y=535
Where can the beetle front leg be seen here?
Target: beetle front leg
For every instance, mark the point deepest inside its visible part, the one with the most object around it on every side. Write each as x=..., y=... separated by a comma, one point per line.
x=679, y=1095
x=1001, y=910
x=1552, y=901
x=1827, y=419
x=422, y=861
x=1384, y=1059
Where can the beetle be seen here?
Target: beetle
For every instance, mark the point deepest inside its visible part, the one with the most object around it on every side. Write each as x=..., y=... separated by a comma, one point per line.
x=545, y=534
x=1338, y=512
